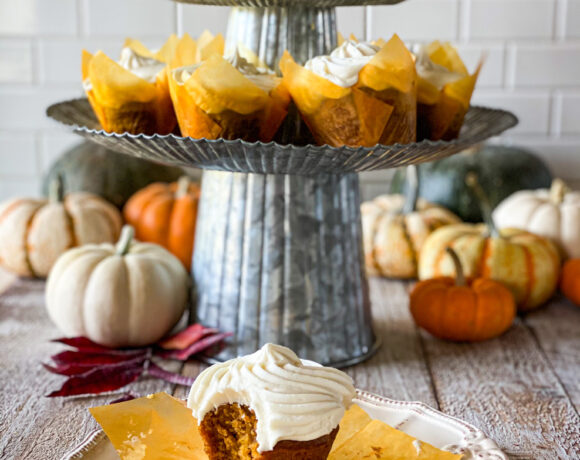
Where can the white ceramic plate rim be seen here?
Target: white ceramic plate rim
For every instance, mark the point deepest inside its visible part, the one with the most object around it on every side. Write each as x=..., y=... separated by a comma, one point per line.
x=431, y=426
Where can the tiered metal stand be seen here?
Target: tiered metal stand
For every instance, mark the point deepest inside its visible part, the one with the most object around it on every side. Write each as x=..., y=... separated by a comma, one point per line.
x=278, y=253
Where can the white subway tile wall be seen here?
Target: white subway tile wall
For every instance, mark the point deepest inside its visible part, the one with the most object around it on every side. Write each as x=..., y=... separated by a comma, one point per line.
x=532, y=66
x=517, y=19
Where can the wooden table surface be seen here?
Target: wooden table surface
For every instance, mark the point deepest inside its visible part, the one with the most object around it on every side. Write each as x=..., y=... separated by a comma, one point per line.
x=522, y=389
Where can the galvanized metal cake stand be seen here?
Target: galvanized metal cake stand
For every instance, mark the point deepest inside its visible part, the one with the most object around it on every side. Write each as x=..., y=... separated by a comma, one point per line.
x=278, y=250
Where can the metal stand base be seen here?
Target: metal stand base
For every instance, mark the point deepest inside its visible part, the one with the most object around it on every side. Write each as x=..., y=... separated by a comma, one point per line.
x=338, y=364
x=279, y=259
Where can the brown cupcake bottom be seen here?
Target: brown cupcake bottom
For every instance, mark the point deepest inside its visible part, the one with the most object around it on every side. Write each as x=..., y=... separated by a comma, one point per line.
x=132, y=118
x=229, y=433
x=148, y=118
x=356, y=119
x=440, y=121
x=227, y=125
x=402, y=125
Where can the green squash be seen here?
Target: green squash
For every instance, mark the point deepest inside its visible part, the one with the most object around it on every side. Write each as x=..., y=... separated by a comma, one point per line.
x=501, y=172
x=114, y=176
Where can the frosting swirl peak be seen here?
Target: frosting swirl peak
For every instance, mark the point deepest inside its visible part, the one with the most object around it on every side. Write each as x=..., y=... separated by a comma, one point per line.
x=144, y=67
x=436, y=74
x=343, y=65
x=265, y=79
x=292, y=399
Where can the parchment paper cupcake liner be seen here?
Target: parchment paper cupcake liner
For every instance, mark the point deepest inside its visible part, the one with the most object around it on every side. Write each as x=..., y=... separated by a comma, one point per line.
x=273, y=158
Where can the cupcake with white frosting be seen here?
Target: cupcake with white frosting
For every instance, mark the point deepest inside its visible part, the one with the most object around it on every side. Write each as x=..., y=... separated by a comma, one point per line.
x=444, y=91
x=269, y=405
x=359, y=94
x=228, y=98
x=131, y=94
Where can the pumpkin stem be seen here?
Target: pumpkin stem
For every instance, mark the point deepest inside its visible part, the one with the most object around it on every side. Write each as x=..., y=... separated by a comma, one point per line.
x=125, y=240
x=182, y=186
x=412, y=189
x=459, y=275
x=558, y=190
x=56, y=190
x=484, y=204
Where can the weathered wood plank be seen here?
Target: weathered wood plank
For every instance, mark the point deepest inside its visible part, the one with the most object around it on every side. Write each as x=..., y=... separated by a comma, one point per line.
x=507, y=388
x=557, y=330
x=398, y=369
x=32, y=426
x=512, y=388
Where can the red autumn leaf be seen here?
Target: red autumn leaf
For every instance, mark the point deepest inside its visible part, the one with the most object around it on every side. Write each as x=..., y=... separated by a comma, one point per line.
x=171, y=377
x=68, y=369
x=81, y=343
x=92, y=368
x=127, y=396
x=99, y=380
x=197, y=347
x=79, y=357
x=81, y=368
x=88, y=346
x=187, y=337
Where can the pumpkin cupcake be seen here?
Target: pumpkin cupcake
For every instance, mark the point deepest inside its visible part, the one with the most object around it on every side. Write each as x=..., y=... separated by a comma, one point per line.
x=132, y=94
x=228, y=98
x=444, y=91
x=269, y=405
x=360, y=94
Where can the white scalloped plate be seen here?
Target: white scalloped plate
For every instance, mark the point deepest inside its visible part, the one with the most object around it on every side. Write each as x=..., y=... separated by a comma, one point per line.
x=414, y=418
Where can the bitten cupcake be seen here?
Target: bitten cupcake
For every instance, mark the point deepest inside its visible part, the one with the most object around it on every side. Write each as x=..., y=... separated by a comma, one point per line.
x=444, y=91
x=228, y=98
x=132, y=94
x=360, y=94
x=269, y=405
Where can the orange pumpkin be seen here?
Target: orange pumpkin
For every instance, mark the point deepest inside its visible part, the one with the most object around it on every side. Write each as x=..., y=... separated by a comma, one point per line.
x=570, y=281
x=527, y=264
x=462, y=311
x=166, y=214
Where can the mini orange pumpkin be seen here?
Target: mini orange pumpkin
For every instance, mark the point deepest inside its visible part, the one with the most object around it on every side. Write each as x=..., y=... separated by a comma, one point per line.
x=462, y=311
x=527, y=264
x=166, y=214
x=570, y=281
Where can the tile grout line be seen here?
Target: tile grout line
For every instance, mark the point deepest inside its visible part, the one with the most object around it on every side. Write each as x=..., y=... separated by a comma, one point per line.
x=368, y=23
x=559, y=23
x=463, y=21
x=555, y=114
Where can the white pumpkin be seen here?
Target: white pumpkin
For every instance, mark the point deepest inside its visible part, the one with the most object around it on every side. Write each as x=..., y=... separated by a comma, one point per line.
x=553, y=214
x=33, y=233
x=129, y=295
x=392, y=237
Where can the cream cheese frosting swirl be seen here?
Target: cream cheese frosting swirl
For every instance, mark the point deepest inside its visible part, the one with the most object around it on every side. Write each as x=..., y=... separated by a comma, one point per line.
x=142, y=66
x=343, y=65
x=435, y=74
x=292, y=399
x=265, y=79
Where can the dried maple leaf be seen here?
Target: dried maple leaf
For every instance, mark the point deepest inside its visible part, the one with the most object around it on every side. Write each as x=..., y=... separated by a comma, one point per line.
x=170, y=377
x=197, y=347
x=77, y=368
x=127, y=396
x=77, y=357
x=92, y=368
x=99, y=380
x=186, y=337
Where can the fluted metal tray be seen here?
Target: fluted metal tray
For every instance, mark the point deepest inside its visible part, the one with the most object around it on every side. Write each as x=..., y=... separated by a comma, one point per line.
x=290, y=3
x=239, y=156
